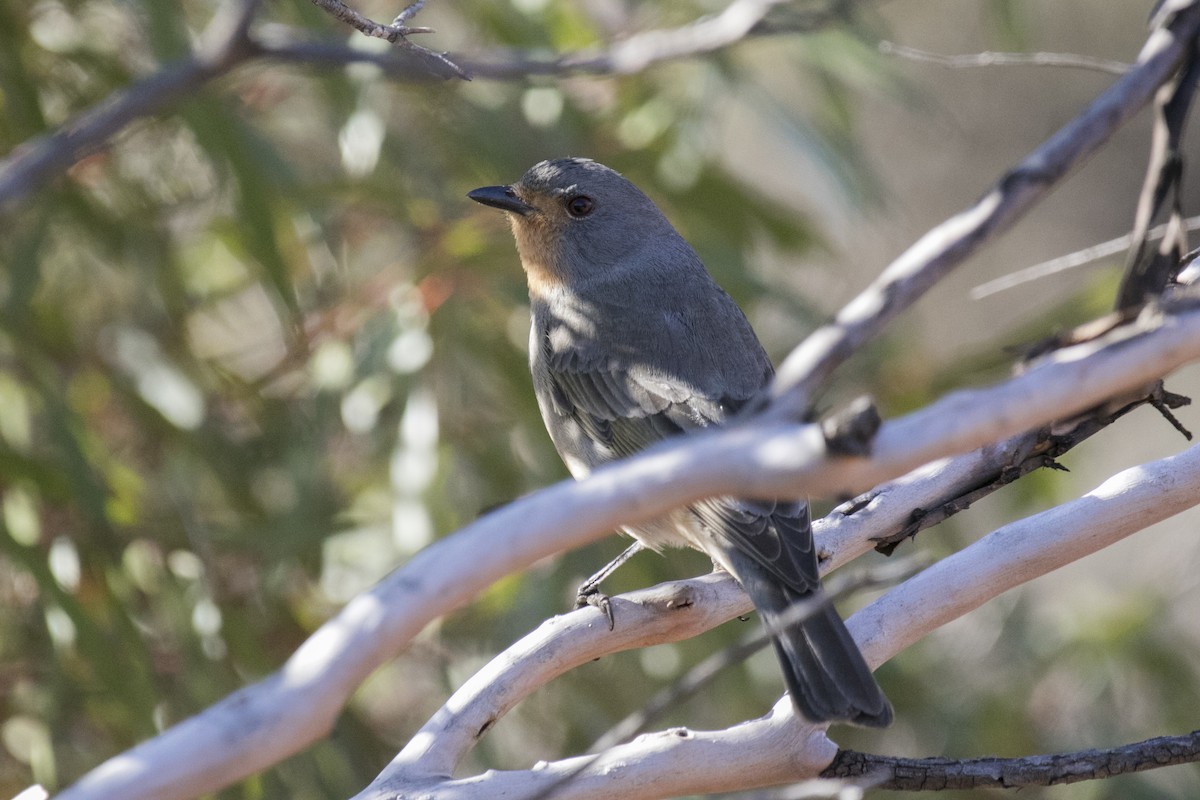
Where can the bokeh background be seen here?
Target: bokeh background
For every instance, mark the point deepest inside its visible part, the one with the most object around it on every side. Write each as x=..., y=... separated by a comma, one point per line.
x=261, y=349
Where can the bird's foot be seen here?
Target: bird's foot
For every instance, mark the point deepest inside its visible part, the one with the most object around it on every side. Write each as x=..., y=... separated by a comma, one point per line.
x=590, y=595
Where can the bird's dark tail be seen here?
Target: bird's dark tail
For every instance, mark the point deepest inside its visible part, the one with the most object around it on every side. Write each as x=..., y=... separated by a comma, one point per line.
x=824, y=671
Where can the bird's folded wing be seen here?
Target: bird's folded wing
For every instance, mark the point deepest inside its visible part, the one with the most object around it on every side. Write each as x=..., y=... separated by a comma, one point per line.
x=626, y=411
x=777, y=535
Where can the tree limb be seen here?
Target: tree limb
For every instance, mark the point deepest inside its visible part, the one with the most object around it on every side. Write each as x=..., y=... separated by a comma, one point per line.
x=938, y=774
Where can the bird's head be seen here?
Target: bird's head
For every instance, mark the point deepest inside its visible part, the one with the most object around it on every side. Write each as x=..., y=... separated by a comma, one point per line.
x=577, y=221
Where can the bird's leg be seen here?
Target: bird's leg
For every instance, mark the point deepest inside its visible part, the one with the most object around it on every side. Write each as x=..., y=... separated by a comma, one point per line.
x=589, y=593
x=719, y=567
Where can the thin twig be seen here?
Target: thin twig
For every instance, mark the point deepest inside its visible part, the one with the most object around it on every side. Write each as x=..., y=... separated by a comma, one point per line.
x=1071, y=260
x=641, y=50
x=404, y=16
x=397, y=33
x=990, y=59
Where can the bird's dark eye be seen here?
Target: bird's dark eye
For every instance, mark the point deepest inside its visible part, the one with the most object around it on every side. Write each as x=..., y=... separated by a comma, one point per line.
x=580, y=205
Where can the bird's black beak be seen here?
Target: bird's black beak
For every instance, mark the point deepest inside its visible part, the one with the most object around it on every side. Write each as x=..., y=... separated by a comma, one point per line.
x=501, y=197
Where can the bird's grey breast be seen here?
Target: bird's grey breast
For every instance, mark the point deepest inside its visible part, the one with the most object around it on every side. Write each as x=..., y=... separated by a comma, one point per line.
x=554, y=341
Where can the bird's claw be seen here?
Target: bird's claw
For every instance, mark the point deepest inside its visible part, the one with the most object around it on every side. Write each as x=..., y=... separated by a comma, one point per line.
x=591, y=596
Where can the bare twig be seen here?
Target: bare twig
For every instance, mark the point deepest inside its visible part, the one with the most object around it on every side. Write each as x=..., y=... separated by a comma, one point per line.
x=940, y=774
x=990, y=59
x=404, y=16
x=945, y=247
x=637, y=52
x=1071, y=260
x=743, y=19
x=996, y=467
x=641, y=50
x=397, y=32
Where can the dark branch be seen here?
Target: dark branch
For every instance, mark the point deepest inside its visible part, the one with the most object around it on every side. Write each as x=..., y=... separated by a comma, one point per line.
x=1148, y=270
x=1038, y=449
x=395, y=33
x=938, y=774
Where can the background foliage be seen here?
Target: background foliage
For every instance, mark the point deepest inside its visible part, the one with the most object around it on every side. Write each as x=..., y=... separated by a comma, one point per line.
x=261, y=349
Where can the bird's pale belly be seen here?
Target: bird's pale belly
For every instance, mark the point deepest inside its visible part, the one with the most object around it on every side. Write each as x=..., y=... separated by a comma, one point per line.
x=674, y=529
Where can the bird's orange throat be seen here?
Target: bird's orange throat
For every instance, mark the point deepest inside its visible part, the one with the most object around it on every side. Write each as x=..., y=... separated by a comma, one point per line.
x=536, y=244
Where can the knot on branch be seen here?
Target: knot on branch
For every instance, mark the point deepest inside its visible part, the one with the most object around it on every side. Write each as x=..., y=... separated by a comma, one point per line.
x=849, y=432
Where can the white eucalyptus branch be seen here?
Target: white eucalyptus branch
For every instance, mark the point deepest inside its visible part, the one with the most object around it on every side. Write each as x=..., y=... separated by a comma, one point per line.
x=668, y=612
x=1021, y=551
x=760, y=753
x=768, y=751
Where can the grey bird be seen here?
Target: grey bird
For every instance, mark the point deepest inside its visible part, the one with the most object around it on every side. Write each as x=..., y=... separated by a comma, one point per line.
x=633, y=342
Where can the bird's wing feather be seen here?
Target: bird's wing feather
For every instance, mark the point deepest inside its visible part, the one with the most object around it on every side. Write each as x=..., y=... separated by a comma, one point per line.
x=626, y=408
x=777, y=535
